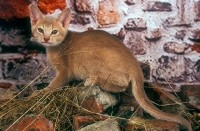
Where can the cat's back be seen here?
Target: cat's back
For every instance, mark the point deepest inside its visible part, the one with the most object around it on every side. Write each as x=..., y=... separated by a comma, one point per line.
x=96, y=38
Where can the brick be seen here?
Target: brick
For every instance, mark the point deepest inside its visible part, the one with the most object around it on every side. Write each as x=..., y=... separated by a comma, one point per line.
x=176, y=48
x=80, y=121
x=135, y=24
x=98, y=97
x=107, y=14
x=30, y=123
x=153, y=35
x=158, y=6
x=135, y=43
x=85, y=5
x=49, y=6
x=92, y=105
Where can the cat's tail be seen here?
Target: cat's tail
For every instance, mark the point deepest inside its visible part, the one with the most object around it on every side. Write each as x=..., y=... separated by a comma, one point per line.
x=146, y=104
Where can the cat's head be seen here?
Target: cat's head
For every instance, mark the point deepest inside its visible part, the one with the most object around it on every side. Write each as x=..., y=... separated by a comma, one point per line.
x=47, y=30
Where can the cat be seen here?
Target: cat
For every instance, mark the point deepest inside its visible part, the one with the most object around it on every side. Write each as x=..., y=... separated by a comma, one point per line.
x=94, y=56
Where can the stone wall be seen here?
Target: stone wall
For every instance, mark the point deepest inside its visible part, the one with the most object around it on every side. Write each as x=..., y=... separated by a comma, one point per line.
x=164, y=35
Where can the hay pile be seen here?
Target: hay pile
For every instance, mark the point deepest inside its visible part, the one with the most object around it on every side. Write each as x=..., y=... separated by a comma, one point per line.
x=58, y=106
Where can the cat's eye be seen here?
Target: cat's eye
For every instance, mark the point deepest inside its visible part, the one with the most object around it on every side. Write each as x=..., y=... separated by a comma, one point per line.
x=40, y=30
x=54, y=32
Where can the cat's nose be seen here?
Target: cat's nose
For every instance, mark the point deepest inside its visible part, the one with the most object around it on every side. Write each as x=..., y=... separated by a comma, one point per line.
x=46, y=39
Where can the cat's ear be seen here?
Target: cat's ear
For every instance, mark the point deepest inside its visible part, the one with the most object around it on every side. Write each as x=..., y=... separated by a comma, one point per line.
x=65, y=17
x=35, y=14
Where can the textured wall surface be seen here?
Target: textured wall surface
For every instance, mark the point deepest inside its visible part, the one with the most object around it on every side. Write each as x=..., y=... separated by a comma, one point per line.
x=164, y=35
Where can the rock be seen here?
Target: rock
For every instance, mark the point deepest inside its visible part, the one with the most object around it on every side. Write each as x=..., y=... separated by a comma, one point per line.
x=96, y=97
x=32, y=123
x=106, y=125
x=135, y=43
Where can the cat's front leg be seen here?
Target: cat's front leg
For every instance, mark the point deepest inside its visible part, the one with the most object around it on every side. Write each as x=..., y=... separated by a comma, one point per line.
x=60, y=80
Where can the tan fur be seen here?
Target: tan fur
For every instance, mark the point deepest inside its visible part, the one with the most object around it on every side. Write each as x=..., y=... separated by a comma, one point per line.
x=94, y=56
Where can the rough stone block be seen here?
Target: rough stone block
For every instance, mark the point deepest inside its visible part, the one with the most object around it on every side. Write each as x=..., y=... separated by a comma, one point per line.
x=176, y=48
x=135, y=43
x=135, y=24
x=19, y=68
x=197, y=10
x=12, y=37
x=174, y=70
x=158, y=6
x=180, y=35
x=129, y=2
x=153, y=35
x=183, y=16
x=194, y=35
x=77, y=19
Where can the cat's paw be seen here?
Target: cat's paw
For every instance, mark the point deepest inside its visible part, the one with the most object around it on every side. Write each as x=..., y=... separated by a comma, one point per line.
x=43, y=91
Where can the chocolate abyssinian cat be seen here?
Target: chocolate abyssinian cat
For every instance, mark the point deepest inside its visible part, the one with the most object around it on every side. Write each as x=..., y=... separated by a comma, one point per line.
x=93, y=56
